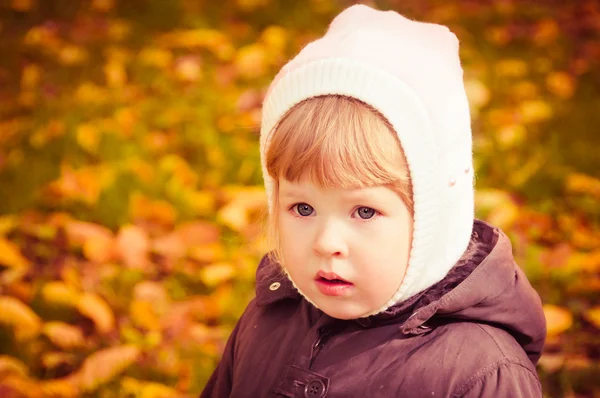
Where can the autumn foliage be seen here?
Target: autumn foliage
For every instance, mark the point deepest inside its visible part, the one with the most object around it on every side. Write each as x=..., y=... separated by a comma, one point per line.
x=131, y=197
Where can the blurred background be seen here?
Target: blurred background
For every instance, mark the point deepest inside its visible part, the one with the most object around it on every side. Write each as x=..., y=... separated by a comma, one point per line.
x=131, y=197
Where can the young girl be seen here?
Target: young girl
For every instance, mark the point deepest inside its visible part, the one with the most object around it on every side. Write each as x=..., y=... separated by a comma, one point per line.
x=381, y=282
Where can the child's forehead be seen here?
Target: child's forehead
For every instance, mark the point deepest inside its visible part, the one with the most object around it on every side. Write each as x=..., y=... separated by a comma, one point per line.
x=306, y=186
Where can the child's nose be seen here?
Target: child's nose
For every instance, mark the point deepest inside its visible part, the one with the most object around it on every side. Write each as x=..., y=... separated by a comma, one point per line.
x=329, y=240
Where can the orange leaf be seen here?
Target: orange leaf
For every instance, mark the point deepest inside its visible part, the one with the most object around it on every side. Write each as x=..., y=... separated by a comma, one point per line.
x=133, y=246
x=63, y=388
x=80, y=232
x=103, y=366
x=52, y=360
x=558, y=319
x=20, y=317
x=9, y=364
x=95, y=308
x=63, y=335
x=593, y=316
x=10, y=255
x=143, y=314
x=215, y=274
x=59, y=293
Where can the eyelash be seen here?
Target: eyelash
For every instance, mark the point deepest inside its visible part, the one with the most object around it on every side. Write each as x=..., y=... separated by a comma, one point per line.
x=293, y=207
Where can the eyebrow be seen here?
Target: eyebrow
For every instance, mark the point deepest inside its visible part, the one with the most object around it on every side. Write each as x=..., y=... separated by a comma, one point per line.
x=291, y=192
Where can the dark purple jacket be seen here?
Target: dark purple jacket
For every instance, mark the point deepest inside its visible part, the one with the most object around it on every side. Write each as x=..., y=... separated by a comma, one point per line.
x=477, y=333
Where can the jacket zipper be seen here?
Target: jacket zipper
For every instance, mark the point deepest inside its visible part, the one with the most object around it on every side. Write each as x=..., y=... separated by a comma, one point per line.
x=318, y=345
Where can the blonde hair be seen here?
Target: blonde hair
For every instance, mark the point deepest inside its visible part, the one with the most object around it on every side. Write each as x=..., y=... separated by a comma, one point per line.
x=336, y=142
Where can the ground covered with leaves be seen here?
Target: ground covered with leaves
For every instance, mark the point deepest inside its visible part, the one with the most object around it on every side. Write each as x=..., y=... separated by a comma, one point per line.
x=131, y=196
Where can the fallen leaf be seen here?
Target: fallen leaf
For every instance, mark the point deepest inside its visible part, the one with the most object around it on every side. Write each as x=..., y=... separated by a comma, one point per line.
x=593, y=316
x=15, y=314
x=95, y=308
x=63, y=335
x=215, y=274
x=103, y=366
x=10, y=255
x=9, y=364
x=59, y=293
x=558, y=319
x=133, y=247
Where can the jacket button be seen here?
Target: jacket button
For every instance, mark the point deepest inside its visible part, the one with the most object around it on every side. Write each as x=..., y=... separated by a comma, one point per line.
x=274, y=286
x=314, y=389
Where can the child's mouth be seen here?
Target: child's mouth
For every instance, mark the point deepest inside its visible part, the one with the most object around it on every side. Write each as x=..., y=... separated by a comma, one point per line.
x=332, y=285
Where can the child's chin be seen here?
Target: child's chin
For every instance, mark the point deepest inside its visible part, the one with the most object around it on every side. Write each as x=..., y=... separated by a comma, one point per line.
x=344, y=311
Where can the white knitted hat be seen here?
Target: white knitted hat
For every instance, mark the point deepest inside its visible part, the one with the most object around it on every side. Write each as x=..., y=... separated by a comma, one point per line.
x=411, y=73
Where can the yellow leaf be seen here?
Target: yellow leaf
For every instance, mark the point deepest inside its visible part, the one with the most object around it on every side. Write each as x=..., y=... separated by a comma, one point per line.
x=511, y=135
x=145, y=389
x=105, y=365
x=59, y=293
x=10, y=255
x=558, y=319
x=14, y=313
x=535, y=111
x=511, y=67
x=593, y=316
x=234, y=216
x=88, y=137
x=215, y=274
x=95, y=308
x=497, y=207
x=583, y=184
x=133, y=246
x=99, y=249
x=188, y=69
x=275, y=37
x=115, y=74
x=153, y=292
x=72, y=55
x=156, y=57
x=63, y=335
x=9, y=364
x=143, y=314
x=251, y=61
x=142, y=208
x=207, y=253
x=7, y=223
x=90, y=93
x=59, y=388
x=478, y=93
x=52, y=360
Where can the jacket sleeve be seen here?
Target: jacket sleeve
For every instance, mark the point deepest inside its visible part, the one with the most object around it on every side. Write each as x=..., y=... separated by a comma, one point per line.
x=509, y=379
x=221, y=381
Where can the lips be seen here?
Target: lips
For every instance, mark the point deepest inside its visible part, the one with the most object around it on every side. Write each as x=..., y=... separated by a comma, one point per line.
x=331, y=284
x=330, y=277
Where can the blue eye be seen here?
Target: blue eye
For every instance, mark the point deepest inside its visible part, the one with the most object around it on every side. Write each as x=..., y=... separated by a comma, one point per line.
x=304, y=209
x=365, y=212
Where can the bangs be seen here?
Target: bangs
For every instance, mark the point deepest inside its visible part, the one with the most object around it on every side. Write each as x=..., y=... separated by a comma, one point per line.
x=338, y=142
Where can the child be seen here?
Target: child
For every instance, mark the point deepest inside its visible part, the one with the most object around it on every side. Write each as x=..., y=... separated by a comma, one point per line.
x=381, y=283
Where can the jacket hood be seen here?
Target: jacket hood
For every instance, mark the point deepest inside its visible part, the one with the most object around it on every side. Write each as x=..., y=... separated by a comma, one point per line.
x=487, y=287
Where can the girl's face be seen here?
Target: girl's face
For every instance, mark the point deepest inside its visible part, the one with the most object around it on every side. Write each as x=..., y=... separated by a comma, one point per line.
x=346, y=250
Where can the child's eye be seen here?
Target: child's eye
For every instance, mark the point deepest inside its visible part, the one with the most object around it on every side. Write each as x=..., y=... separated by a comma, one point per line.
x=303, y=209
x=366, y=212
